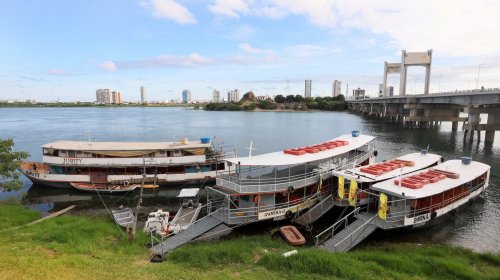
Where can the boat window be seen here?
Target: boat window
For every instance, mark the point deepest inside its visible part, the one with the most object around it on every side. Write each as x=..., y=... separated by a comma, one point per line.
x=71, y=153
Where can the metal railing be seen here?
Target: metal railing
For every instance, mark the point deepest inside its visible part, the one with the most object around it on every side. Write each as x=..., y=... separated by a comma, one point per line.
x=330, y=231
x=363, y=226
x=253, y=185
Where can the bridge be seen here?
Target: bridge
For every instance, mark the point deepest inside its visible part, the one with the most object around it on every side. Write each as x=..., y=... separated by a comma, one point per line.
x=425, y=109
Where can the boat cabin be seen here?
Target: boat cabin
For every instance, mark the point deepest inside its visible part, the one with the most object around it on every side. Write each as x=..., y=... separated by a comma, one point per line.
x=280, y=184
x=422, y=197
x=363, y=177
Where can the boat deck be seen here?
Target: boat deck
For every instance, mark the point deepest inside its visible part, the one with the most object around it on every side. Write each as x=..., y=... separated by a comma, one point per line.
x=185, y=216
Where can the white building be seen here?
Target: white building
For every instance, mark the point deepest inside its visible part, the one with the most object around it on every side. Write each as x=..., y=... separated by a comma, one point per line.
x=116, y=97
x=144, y=95
x=358, y=93
x=336, y=88
x=186, y=96
x=102, y=96
x=307, y=91
x=233, y=96
x=216, y=96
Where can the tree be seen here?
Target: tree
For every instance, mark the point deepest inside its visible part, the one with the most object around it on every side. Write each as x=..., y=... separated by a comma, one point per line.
x=10, y=161
x=279, y=98
x=290, y=98
x=299, y=98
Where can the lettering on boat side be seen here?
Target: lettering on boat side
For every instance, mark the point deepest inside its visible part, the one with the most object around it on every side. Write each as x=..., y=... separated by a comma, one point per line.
x=417, y=219
x=282, y=211
x=72, y=161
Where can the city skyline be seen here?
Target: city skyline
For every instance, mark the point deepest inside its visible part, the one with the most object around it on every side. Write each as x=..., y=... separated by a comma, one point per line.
x=170, y=45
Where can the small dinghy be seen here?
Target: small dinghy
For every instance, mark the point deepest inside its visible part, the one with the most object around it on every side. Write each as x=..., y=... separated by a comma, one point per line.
x=292, y=235
x=104, y=188
x=123, y=217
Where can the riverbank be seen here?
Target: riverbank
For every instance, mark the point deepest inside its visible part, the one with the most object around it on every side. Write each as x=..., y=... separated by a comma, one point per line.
x=75, y=247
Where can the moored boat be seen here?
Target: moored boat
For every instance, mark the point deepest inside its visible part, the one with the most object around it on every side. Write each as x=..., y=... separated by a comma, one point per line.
x=104, y=188
x=123, y=163
x=283, y=184
x=352, y=183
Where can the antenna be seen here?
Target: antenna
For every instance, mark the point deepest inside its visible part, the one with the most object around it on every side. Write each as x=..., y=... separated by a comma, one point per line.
x=250, y=149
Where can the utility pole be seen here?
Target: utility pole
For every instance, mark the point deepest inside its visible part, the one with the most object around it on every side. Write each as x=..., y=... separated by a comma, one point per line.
x=139, y=201
x=478, y=71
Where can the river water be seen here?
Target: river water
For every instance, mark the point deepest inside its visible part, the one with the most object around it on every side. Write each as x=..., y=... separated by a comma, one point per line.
x=476, y=227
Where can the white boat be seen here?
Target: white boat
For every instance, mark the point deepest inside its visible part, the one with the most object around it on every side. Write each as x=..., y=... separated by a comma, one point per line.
x=361, y=178
x=157, y=223
x=426, y=197
x=122, y=163
x=282, y=184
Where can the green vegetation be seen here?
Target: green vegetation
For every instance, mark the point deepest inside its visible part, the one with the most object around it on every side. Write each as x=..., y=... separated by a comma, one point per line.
x=9, y=162
x=76, y=247
x=290, y=102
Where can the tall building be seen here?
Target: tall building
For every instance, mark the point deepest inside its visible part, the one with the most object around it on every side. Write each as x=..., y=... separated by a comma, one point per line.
x=307, y=91
x=358, y=93
x=102, y=96
x=216, y=96
x=116, y=97
x=144, y=95
x=336, y=88
x=233, y=96
x=186, y=96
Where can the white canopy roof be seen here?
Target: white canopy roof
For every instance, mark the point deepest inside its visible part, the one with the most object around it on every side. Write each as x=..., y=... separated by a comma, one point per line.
x=421, y=161
x=280, y=158
x=467, y=174
x=121, y=146
x=190, y=192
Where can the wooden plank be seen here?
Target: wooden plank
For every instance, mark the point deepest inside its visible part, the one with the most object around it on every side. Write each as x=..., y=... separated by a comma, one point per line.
x=55, y=214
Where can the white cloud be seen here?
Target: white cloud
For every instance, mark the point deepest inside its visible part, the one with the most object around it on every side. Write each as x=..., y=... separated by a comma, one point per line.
x=251, y=50
x=108, y=65
x=450, y=27
x=308, y=50
x=191, y=60
x=169, y=9
x=58, y=72
x=229, y=8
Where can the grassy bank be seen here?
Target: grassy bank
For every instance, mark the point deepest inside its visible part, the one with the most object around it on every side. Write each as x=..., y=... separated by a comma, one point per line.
x=74, y=247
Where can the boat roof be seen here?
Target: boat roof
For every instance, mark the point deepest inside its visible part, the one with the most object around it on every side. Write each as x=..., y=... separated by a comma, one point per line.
x=189, y=192
x=122, y=146
x=421, y=161
x=467, y=174
x=280, y=158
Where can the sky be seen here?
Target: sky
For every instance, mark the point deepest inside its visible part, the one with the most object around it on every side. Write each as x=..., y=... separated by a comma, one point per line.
x=65, y=50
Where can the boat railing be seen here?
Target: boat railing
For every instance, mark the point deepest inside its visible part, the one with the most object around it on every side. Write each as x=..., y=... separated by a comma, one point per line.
x=342, y=223
x=350, y=236
x=252, y=185
x=230, y=213
x=398, y=218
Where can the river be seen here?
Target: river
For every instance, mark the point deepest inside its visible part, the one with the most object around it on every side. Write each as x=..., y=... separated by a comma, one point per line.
x=476, y=227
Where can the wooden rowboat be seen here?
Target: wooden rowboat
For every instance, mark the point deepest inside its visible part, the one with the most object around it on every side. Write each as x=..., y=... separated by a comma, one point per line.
x=292, y=235
x=104, y=188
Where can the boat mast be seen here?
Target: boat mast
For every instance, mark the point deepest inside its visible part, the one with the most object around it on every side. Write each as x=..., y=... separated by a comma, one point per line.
x=139, y=201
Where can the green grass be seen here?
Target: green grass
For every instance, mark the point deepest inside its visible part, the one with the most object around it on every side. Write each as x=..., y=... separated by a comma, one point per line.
x=76, y=247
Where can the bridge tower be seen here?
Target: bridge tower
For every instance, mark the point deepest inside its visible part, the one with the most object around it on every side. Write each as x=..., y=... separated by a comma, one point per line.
x=415, y=59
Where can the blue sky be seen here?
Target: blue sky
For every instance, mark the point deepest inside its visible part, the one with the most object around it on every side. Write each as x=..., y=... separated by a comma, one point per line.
x=67, y=49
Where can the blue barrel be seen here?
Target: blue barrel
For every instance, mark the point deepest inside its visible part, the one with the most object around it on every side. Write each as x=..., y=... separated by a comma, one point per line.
x=205, y=140
x=466, y=160
x=355, y=133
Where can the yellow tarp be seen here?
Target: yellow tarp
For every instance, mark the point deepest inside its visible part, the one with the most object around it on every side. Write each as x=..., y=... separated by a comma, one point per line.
x=196, y=151
x=382, y=206
x=121, y=153
x=353, y=189
x=341, y=190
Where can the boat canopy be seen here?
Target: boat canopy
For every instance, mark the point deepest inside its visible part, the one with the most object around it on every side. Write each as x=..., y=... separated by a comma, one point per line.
x=467, y=173
x=123, y=146
x=420, y=161
x=190, y=192
x=280, y=158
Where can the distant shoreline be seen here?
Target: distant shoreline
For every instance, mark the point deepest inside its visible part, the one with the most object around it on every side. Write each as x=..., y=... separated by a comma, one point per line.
x=87, y=105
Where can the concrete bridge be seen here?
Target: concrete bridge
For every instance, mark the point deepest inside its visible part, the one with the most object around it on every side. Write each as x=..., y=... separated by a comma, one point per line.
x=426, y=109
